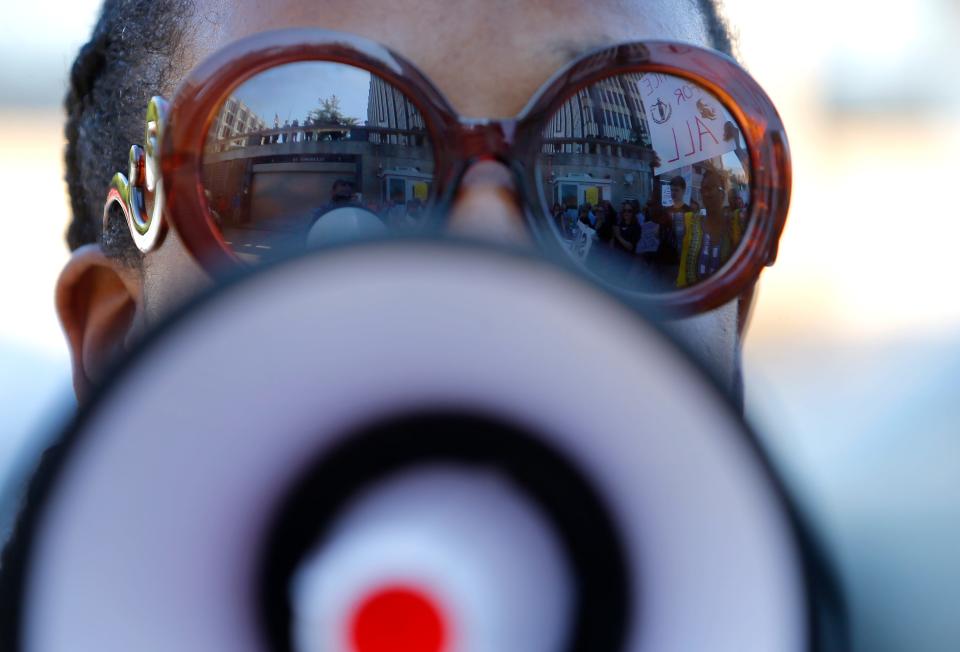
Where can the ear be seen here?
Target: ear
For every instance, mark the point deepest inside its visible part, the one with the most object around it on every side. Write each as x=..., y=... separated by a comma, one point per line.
x=98, y=301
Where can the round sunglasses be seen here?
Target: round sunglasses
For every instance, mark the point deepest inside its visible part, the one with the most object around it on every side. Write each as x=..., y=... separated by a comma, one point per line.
x=660, y=169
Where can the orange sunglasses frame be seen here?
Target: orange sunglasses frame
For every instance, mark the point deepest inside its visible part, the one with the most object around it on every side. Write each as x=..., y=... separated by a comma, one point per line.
x=176, y=137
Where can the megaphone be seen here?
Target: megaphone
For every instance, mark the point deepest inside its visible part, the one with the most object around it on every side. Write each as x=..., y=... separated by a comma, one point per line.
x=417, y=447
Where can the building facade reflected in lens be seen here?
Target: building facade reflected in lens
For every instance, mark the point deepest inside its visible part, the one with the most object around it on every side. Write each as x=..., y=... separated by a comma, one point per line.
x=298, y=141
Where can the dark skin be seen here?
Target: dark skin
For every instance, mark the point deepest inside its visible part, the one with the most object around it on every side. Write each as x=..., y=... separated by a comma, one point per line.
x=487, y=56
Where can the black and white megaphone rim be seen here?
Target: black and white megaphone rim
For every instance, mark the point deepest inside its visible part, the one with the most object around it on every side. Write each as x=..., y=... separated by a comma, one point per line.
x=488, y=273
x=576, y=518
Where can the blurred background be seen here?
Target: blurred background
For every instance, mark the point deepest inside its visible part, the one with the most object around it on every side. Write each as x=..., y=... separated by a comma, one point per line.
x=852, y=360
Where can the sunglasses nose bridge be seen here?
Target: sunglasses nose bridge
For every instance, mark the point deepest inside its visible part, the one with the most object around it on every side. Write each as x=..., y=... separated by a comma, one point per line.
x=487, y=139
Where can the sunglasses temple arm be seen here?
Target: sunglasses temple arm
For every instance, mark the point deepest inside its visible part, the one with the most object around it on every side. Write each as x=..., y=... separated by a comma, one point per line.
x=143, y=185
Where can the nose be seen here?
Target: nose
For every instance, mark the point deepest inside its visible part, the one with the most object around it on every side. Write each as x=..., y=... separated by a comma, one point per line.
x=487, y=205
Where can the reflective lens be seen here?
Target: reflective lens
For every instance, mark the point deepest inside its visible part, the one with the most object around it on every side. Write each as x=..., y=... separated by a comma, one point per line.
x=646, y=179
x=312, y=152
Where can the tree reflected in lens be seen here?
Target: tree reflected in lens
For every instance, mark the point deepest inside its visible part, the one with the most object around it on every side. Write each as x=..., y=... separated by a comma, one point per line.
x=646, y=180
x=298, y=141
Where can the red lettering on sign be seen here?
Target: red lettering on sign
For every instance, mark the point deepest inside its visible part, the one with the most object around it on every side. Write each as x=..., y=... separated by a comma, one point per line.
x=704, y=129
x=676, y=145
x=652, y=81
x=692, y=149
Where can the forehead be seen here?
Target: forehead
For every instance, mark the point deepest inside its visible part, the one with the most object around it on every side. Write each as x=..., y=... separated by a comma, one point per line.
x=487, y=56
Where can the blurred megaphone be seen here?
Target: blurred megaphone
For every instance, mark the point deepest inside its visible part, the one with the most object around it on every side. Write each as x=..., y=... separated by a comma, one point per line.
x=411, y=447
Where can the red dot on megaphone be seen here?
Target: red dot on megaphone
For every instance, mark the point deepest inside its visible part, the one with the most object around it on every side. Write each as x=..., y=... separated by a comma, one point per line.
x=398, y=619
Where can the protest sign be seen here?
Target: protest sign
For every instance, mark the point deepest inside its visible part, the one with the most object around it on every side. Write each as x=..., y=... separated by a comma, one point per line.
x=686, y=122
x=583, y=239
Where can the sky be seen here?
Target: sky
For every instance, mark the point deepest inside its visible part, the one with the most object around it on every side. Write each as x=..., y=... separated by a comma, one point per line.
x=853, y=352
x=293, y=90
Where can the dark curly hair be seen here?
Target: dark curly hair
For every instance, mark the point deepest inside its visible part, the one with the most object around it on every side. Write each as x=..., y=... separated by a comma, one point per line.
x=135, y=52
x=132, y=54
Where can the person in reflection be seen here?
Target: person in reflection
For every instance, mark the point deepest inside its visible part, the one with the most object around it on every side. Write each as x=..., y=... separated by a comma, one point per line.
x=414, y=216
x=586, y=216
x=341, y=195
x=556, y=212
x=627, y=233
x=708, y=239
x=396, y=213
x=678, y=212
x=570, y=218
x=662, y=262
x=737, y=215
x=598, y=258
x=649, y=237
x=214, y=206
x=606, y=221
x=487, y=63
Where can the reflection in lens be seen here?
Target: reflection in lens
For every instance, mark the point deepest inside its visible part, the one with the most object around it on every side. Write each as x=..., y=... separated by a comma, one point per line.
x=646, y=179
x=343, y=224
x=297, y=142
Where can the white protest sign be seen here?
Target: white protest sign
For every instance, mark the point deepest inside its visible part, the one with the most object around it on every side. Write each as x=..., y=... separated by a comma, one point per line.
x=583, y=238
x=666, y=195
x=686, y=122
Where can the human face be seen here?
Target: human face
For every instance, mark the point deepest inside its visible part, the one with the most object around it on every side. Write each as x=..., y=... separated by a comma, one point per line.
x=712, y=192
x=488, y=58
x=677, y=191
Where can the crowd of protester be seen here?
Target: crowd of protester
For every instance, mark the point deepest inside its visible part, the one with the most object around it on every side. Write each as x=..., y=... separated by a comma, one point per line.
x=677, y=244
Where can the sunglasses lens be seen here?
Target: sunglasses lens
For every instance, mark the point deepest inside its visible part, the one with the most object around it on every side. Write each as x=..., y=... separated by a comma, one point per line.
x=313, y=152
x=646, y=180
